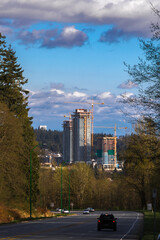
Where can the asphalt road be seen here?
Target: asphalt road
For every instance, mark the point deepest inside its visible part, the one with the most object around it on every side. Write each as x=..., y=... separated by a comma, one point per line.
x=80, y=226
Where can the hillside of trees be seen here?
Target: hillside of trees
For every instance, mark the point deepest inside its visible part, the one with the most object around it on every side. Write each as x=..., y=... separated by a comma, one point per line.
x=52, y=140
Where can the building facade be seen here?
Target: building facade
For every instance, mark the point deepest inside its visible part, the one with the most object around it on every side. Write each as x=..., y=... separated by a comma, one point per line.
x=67, y=142
x=81, y=119
x=106, y=152
x=77, y=137
x=43, y=127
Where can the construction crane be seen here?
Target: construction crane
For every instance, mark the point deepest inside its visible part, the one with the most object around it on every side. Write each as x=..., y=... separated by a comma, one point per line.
x=69, y=116
x=92, y=104
x=115, y=140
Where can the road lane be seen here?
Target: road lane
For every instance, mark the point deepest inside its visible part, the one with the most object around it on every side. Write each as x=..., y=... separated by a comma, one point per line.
x=129, y=226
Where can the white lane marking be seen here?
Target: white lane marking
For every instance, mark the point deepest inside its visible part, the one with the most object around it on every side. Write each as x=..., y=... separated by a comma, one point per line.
x=131, y=227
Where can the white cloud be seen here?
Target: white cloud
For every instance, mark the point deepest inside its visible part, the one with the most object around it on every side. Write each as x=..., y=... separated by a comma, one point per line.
x=76, y=94
x=52, y=105
x=124, y=95
x=79, y=94
x=128, y=85
x=105, y=95
x=127, y=94
x=58, y=91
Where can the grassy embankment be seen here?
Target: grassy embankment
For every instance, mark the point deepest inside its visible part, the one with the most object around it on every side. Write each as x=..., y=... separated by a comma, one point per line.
x=8, y=215
x=149, y=225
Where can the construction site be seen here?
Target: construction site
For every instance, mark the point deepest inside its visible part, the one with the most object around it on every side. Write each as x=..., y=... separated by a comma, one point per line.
x=78, y=142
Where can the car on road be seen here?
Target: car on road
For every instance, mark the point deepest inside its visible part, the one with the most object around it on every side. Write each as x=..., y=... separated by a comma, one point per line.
x=58, y=209
x=86, y=211
x=65, y=210
x=90, y=209
x=107, y=221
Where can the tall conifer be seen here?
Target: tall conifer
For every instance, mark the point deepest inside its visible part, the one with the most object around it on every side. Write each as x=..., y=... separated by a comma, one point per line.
x=13, y=94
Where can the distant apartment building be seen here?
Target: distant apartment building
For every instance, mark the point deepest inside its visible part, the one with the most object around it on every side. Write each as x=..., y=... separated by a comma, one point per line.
x=67, y=142
x=77, y=137
x=43, y=127
x=81, y=119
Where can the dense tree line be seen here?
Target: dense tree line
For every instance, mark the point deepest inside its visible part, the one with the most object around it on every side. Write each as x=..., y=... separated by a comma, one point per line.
x=16, y=133
x=52, y=140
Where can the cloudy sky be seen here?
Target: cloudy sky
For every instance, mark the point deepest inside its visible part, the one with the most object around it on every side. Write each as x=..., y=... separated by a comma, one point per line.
x=74, y=51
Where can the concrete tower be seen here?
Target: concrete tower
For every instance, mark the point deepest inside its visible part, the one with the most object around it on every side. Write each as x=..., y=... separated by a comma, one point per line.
x=81, y=120
x=67, y=142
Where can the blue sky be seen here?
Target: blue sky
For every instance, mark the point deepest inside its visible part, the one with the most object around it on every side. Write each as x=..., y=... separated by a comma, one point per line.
x=74, y=51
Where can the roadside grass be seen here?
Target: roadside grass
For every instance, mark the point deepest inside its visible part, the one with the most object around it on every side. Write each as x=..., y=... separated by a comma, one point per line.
x=149, y=225
x=15, y=215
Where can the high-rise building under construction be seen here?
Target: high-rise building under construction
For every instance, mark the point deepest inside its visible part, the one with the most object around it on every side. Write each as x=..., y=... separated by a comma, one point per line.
x=67, y=141
x=79, y=128
x=106, y=152
x=81, y=135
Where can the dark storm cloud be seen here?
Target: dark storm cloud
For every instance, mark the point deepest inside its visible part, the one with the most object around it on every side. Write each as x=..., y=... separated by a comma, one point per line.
x=116, y=35
x=35, y=37
x=132, y=16
x=68, y=38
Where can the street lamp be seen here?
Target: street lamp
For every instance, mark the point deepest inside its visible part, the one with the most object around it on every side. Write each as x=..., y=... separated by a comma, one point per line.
x=31, y=179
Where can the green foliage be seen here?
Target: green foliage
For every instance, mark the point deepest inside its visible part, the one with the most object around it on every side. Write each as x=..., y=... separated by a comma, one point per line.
x=149, y=225
x=13, y=95
x=52, y=140
x=12, y=181
x=107, y=191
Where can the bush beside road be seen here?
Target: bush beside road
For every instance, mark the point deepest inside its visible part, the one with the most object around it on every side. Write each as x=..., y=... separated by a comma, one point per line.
x=149, y=225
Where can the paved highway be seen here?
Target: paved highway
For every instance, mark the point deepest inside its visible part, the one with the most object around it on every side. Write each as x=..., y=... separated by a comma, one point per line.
x=78, y=227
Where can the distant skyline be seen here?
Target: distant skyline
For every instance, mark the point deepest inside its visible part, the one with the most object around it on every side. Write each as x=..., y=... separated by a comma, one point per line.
x=74, y=51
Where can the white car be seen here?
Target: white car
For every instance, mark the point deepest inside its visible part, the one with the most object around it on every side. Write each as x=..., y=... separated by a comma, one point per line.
x=58, y=209
x=65, y=210
x=86, y=211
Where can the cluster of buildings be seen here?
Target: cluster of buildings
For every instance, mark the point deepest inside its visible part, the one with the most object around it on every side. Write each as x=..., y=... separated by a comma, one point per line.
x=77, y=142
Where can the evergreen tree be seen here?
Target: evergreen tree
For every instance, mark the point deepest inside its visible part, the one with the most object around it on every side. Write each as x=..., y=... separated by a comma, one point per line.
x=15, y=97
x=12, y=181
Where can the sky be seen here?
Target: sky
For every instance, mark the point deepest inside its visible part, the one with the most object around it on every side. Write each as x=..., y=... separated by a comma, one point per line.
x=73, y=53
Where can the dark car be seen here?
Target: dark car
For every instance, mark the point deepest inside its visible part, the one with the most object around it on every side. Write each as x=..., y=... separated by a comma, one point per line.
x=107, y=221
